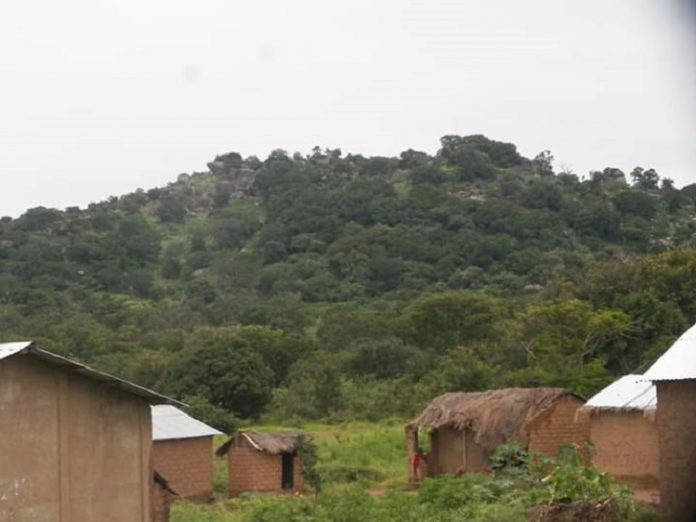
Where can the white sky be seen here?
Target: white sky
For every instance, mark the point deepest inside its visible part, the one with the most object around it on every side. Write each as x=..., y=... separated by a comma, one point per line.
x=100, y=97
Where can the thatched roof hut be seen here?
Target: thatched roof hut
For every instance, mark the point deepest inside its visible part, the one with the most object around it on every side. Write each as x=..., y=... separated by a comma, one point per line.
x=272, y=443
x=494, y=417
x=263, y=462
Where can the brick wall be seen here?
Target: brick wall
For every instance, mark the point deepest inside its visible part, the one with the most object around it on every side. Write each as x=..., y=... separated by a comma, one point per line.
x=558, y=426
x=188, y=466
x=253, y=470
x=626, y=447
x=676, y=427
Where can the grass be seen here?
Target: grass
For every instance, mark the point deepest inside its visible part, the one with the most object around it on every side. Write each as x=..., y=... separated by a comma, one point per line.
x=370, y=454
x=375, y=451
x=364, y=469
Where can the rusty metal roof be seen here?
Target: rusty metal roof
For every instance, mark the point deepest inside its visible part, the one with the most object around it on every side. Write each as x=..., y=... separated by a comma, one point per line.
x=170, y=423
x=29, y=349
x=677, y=363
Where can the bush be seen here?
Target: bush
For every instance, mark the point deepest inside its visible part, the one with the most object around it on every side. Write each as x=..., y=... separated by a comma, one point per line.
x=347, y=474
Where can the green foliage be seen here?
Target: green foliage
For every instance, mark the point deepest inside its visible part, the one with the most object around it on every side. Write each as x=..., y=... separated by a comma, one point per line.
x=219, y=418
x=227, y=369
x=341, y=286
x=307, y=452
x=353, y=456
x=449, y=319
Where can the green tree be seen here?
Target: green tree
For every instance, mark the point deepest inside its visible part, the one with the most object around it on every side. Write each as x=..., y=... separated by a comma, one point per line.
x=449, y=319
x=223, y=367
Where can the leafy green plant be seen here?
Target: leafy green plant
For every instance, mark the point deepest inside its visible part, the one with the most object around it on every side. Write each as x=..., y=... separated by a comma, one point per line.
x=307, y=452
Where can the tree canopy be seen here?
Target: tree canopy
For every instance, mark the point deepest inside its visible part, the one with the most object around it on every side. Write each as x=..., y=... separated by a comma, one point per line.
x=335, y=284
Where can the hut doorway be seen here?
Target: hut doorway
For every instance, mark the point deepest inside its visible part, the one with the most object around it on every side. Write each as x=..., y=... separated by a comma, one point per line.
x=288, y=471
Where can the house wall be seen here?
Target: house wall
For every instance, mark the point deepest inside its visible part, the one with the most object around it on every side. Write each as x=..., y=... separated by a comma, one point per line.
x=77, y=451
x=161, y=503
x=253, y=470
x=454, y=452
x=558, y=426
x=676, y=427
x=187, y=464
x=626, y=446
x=477, y=458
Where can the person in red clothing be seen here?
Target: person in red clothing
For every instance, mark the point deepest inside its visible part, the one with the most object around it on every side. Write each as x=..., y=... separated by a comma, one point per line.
x=419, y=465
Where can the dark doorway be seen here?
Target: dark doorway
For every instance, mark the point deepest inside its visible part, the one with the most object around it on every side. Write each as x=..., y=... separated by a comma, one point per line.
x=287, y=475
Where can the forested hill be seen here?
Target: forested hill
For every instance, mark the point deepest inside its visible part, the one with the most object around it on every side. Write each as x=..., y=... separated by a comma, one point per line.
x=334, y=285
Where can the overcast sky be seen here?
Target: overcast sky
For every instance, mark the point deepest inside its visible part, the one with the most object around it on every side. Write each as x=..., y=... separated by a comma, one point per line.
x=100, y=97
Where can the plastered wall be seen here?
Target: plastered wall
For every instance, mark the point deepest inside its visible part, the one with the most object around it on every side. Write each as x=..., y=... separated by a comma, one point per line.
x=72, y=450
x=454, y=452
x=676, y=425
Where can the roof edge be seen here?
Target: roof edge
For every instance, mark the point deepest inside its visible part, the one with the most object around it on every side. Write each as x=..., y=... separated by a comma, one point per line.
x=31, y=349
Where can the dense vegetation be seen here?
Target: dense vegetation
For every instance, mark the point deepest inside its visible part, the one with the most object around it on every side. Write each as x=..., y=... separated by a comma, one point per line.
x=364, y=478
x=332, y=286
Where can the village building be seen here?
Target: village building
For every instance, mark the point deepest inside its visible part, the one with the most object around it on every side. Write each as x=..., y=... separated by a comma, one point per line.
x=263, y=462
x=623, y=433
x=76, y=443
x=163, y=496
x=674, y=376
x=465, y=428
x=183, y=452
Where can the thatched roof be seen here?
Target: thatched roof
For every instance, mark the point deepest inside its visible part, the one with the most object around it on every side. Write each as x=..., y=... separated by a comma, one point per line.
x=273, y=443
x=494, y=417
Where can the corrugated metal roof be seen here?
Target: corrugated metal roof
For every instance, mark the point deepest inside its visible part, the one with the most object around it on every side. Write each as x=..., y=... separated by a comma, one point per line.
x=29, y=349
x=630, y=392
x=169, y=423
x=677, y=363
x=7, y=349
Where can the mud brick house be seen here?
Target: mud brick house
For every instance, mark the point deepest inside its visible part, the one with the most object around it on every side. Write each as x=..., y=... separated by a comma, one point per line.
x=76, y=443
x=163, y=496
x=263, y=462
x=183, y=452
x=674, y=376
x=623, y=432
x=464, y=428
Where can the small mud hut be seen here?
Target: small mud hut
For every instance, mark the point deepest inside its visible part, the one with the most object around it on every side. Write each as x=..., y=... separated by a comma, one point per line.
x=674, y=376
x=623, y=432
x=465, y=428
x=183, y=452
x=263, y=462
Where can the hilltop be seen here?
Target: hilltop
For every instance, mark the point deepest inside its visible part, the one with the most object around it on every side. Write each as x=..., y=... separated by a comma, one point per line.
x=331, y=285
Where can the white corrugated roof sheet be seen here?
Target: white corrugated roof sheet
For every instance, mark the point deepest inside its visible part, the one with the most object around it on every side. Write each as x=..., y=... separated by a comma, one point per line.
x=630, y=392
x=677, y=363
x=28, y=348
x=170, y=423
x=7, y=349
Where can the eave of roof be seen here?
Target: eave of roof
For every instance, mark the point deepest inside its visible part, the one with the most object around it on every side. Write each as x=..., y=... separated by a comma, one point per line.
x=677, y=363
x=28, y=348
x=271, y=443
x=170, y=423
x=630, y=392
